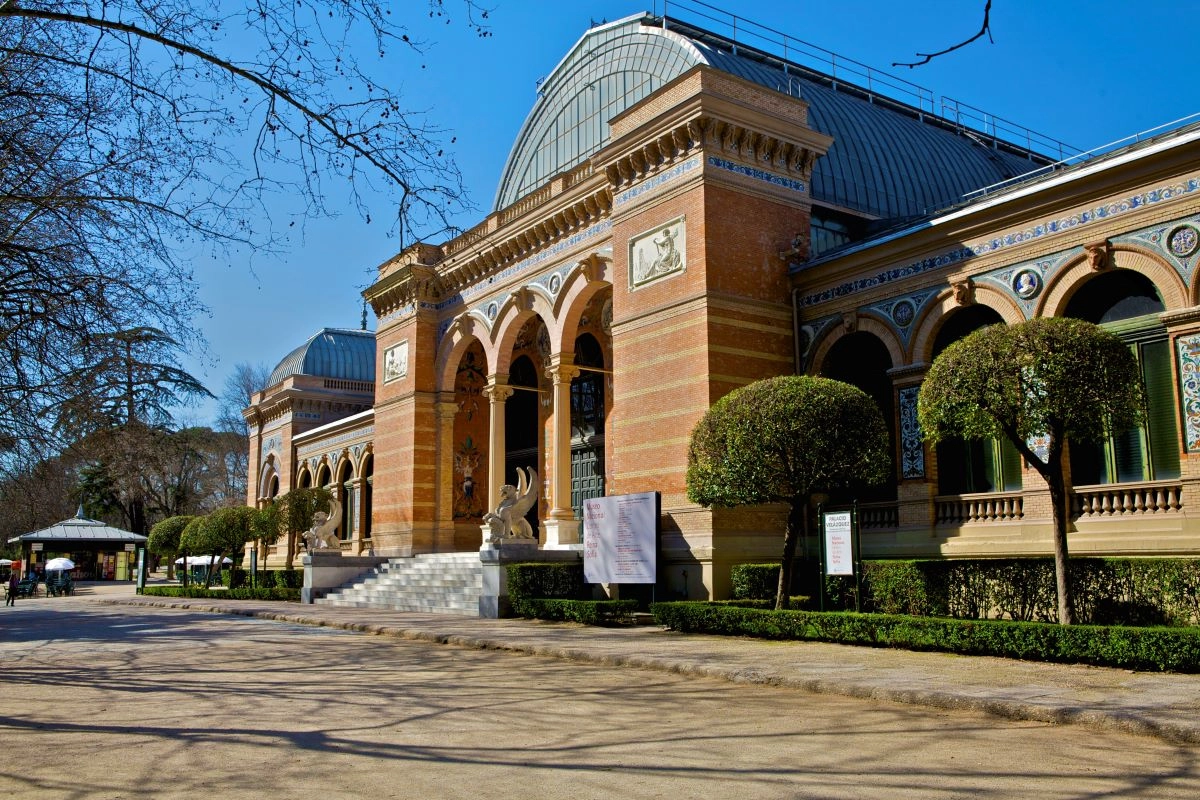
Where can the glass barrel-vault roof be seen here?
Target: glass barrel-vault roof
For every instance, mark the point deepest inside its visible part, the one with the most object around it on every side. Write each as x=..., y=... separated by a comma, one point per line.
x=610, y=69
x=884, y=161
x=331, y=353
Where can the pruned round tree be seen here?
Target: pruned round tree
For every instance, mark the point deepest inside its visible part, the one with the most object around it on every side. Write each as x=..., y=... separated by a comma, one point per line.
x=782, y=440
x=222, y=533
x=164, y=539
x=1040, y=384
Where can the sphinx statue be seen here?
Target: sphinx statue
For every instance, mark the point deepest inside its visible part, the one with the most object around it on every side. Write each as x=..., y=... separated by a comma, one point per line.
x=323, y=535
x=508, y=520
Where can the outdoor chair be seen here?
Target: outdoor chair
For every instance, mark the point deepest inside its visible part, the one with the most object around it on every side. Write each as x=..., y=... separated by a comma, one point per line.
x=60, y=584
x=27, y=586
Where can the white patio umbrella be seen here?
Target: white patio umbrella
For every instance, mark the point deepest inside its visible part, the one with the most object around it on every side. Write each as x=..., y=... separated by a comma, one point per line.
x=4, y=562
x=201, y=561
x=59, y=564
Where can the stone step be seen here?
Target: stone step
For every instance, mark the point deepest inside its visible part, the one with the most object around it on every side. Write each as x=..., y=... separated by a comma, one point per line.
x=442, y=583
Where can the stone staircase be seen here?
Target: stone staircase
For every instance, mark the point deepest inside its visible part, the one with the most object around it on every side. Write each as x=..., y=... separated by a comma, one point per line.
x=437, y=583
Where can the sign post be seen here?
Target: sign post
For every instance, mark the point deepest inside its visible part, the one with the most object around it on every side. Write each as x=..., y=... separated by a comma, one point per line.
x=840, y=549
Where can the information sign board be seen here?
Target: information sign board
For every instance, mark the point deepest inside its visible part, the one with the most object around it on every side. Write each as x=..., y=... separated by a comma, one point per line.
x=839, y=543
x=619, y=538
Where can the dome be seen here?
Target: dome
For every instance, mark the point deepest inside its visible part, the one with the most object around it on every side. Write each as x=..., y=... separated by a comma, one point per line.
x=888, y=159
x=331, y=353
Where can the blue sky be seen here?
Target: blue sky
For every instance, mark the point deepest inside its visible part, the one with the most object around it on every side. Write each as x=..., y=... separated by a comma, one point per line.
x=1086, y=73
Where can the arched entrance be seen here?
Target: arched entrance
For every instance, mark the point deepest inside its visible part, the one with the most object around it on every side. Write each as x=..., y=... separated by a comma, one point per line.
x=527, y=411
x=862, y=360
x=588, y=411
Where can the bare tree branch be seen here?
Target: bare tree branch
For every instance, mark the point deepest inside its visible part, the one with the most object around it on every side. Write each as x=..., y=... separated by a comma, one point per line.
x=927, y=57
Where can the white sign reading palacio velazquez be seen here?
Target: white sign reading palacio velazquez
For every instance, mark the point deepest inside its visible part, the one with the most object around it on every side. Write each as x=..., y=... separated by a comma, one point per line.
x=619, y=537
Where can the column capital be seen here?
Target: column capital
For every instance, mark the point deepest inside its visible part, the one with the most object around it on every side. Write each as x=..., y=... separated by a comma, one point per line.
x=560, y=368
x=497, y=392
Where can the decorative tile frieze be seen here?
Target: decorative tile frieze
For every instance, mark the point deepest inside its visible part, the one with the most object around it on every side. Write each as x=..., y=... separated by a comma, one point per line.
x=656, y=182
x=1176, y=241
x=1189, y=384
x=487, y=285
x=901, y=312
x=912, y=443
x=758, y=174
x=811, y=332
x=1161, y=194
x=271, y=445
x=1046, y=228
x=319, y=447
x=888, y=276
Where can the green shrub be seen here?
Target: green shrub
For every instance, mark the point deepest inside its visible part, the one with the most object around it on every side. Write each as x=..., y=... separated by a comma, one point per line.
x=285, y=578
x=1160, y=649
x=235, y=578
x=588, y=612
x=557, y=591
x=555, y=580
x=1108, y=591
x=243, y=593
x=754, y=581
x=896, y=587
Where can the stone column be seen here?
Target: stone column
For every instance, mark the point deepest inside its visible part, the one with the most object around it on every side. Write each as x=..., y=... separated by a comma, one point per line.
x=444, y=480
x=562, y=529
x=350, y=498
x=497, y=391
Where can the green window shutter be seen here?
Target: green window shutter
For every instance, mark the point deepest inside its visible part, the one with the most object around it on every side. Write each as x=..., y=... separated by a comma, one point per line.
x=1010, y=466
x=1162, y=433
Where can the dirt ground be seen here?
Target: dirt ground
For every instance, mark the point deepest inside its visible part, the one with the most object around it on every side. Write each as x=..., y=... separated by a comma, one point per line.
x=122, y=702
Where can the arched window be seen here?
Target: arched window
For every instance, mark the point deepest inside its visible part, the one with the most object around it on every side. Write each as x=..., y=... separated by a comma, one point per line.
x=975, y=465
x=345, y=492
x=368, y=481
x=1128, y=304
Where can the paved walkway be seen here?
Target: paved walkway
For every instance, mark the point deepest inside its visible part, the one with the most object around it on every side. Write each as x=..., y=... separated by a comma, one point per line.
x=1161, y=705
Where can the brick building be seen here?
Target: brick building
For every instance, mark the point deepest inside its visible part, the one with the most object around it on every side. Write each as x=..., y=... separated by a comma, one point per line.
x=682, y=214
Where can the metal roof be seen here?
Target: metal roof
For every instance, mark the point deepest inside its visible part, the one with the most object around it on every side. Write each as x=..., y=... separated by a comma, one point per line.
x=331, y=353
x=80, y=529
x=888, y=159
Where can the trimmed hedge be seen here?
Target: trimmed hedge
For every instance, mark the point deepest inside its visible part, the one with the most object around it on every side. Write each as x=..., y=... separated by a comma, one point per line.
x=1157, y=649
x=754, y=581
x=556, y=591
x=589, y=612
x=555, y=580
x=1108, y=591
x=243, y=593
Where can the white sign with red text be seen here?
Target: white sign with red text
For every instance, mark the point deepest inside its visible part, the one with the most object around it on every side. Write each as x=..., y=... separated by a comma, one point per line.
x=619, y=537
x=839, y=543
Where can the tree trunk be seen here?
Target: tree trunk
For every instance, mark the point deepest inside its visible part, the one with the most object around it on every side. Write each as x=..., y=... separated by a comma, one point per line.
x=1061, y=514
x=219, y=558
x=797, y=515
